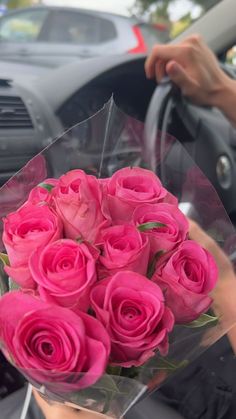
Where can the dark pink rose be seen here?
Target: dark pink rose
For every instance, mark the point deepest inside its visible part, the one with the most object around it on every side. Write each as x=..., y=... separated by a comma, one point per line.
x=24, y=231
x=80, y=204
x=169, y=236
x=51, y=344
x=130, y=187
x=15, y=191
x=186, y=279
x=133, y=311
x=123, y=247
x=65, y=272
x=43, y=194
x=103, y=182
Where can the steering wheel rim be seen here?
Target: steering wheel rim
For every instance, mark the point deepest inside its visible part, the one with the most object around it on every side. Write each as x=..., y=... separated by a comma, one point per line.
x=220, y=167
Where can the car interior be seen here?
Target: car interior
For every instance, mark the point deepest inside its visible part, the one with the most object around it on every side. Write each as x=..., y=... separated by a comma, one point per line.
x=36, y=110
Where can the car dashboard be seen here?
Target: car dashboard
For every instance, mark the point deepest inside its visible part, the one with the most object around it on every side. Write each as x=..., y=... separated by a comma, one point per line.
x=33, y=112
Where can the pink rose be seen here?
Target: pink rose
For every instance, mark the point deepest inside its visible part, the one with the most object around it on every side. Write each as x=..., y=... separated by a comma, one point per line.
x=65, y=272
x=131, y=187
x=133, y=311
x=16, y=190
x=173, y=232
x=41, y=194
x=24, y=231
x=51, y=344
x=80, y=204
x=186, y=278
x=123, y=247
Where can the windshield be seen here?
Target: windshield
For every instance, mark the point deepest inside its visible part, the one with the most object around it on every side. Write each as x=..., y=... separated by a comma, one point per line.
x=176, y=15
x=45, y=35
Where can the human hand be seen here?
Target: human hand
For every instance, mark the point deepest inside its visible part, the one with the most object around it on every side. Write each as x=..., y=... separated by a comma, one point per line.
x=224, y=295
x=59, y=411
x=224, y=265
x=193, y=67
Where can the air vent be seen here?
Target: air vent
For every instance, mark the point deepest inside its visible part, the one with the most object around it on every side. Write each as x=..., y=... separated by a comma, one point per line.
x=14, y=114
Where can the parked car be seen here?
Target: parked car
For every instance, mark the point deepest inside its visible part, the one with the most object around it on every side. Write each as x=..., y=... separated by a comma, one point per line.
x=58, y=35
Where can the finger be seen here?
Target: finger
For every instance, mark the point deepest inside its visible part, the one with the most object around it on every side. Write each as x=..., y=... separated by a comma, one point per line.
x=181, y=78
x=196, y=233
x=193, y=39
x=160, y=70
x=44, y=406
x=160, y=52
x=53, y=410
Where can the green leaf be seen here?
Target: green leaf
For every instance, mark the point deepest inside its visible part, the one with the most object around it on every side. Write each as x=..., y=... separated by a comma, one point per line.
x=131, y=372
x=163, y=363
x=4, y=259
x=150, y=226
x=79, y=239
x=13, y=286
x=107, y=403
x=3, y=276
x=152, y=265
x=203, y=320
x=113, y=370
x=46, y=186
x=3, y=286
x=106, y=383
x=103, y=391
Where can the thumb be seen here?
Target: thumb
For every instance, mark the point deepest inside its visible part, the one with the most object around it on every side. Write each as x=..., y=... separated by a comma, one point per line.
x=179, y=76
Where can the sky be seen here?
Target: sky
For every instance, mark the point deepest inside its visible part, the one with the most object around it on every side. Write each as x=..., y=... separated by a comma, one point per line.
x=181, y=7
x=115, y=6
x=177, y=9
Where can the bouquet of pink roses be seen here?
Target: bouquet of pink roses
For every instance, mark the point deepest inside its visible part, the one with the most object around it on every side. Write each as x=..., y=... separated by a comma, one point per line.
x=110, y=294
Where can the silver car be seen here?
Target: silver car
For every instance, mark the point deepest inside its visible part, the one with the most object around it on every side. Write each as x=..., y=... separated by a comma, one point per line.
x=57, y=35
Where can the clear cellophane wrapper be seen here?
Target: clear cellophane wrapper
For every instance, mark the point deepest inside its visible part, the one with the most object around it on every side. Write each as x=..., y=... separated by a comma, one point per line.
x=108, y=141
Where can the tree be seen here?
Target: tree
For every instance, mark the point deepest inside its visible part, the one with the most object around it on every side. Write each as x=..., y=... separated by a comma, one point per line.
x=15, y=4
x=158, y=11
x=161, y=14
x=162, y=5
x=180, y=25
x=144, y=5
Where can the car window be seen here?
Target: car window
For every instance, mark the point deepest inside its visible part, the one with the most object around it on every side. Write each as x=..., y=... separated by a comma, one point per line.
x=72, y=27
x=107, y=30
x=22, y=27
x=78, y=28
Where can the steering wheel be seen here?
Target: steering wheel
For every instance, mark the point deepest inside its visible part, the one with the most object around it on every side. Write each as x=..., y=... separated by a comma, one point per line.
x=204, y=132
